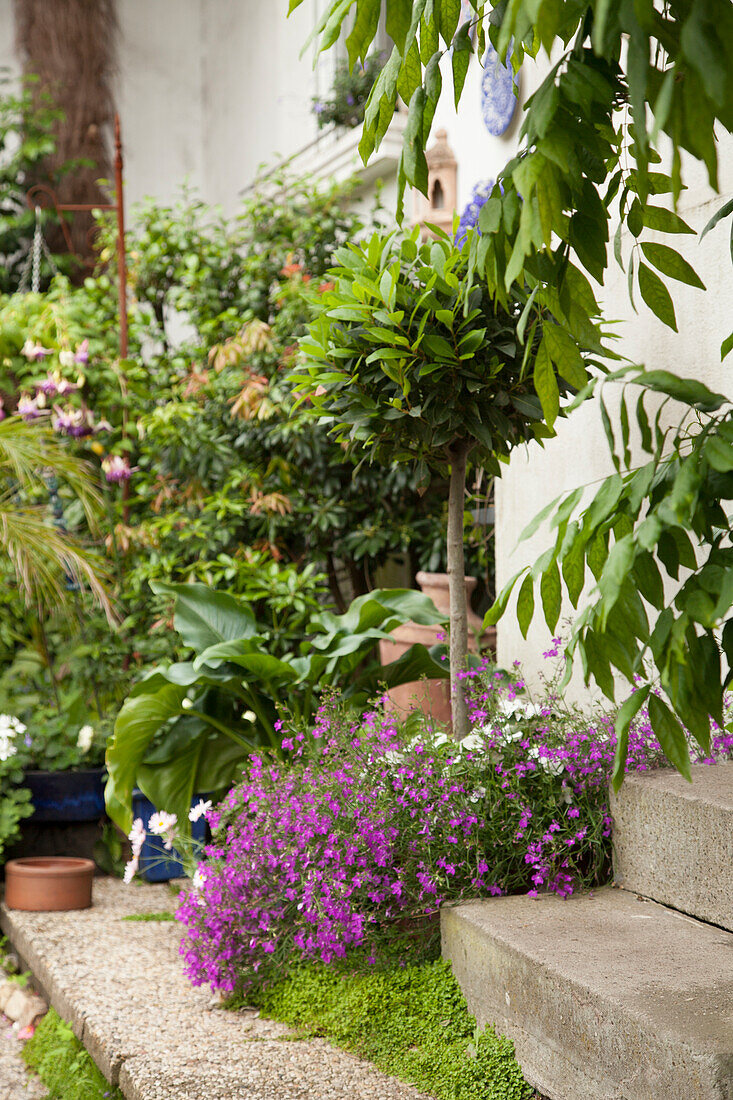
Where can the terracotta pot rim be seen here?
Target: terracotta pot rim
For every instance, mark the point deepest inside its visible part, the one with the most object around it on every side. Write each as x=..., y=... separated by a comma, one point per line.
x=440, y=578
x=49, y=866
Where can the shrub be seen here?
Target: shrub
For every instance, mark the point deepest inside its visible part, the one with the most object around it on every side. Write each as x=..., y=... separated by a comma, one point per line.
x=357, y=840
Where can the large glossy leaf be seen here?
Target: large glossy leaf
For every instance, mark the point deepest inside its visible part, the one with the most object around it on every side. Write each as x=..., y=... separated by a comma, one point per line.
x=205, y=764
x=137, y=723
x=417, y=662
x=205, y=617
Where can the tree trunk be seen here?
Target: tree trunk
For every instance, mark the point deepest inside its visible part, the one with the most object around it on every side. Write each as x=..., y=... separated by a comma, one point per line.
x=457, y=589
x=70, y=45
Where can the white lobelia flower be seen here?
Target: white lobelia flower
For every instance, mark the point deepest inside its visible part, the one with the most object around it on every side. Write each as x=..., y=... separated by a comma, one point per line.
x=474, y=742
x=84, y=738
x=199, y=810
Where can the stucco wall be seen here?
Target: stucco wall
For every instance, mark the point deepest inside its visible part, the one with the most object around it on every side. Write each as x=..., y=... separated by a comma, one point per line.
x=579, y=454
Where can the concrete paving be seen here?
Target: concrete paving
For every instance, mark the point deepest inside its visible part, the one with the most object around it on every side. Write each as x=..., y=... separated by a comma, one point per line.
x=607, y=996
x=120, y=985
x=673, y=840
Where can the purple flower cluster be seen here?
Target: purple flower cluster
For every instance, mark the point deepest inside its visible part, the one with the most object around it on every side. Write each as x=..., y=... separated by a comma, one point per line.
x=368, y=826
x=472, y=209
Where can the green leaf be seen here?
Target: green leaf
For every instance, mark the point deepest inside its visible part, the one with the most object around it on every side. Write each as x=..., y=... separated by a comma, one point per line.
x=397, y=21
x=565, y=355
x=726, y=347
x=670, y=735
x=626, y=713
x=204, y=616
x=363, y=31
x=724, y=211
x=498, y=608
x=545, y=383
x=663, y=220
x=656, y=296
x=460, y=58
x=669, y=262
x=551, y=592
x=525, y=604
x=137, y=723
x=689, y=390
x=416, y=166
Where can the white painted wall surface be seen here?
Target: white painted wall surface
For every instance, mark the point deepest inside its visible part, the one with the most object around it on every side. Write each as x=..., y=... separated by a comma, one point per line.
x=579, y=454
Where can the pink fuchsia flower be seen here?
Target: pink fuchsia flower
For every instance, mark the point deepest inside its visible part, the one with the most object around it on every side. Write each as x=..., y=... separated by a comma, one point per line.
x=117, y=468
x=74, y=422
x=82, y=353
x=30, y=408
x=34, y=351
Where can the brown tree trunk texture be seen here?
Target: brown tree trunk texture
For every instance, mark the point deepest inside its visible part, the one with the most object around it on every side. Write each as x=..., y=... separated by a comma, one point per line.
x=457, y=589
x=71, y=46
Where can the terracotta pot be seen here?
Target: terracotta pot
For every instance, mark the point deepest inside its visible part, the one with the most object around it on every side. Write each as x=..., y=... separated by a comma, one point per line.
x=431, y=696
x=46, y=883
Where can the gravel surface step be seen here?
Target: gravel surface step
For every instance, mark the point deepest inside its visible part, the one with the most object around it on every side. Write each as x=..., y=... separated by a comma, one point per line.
x=120, y=985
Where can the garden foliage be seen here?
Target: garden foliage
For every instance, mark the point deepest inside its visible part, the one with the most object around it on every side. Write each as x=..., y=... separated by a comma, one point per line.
x=357, y=838
x=188, y=727
x=410, y=360
x=624, y=78
x=411, y=1021
x=63, y=1065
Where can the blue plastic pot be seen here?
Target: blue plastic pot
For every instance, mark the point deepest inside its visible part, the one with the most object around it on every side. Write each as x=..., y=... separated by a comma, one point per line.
x=156, y=864
x=66, y=796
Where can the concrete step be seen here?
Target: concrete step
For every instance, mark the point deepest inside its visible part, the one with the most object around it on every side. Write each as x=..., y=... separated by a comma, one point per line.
x=673, y=840
x=606, y=996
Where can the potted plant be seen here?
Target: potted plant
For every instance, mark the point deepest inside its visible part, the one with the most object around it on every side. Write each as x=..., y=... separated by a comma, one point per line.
x=408, y=359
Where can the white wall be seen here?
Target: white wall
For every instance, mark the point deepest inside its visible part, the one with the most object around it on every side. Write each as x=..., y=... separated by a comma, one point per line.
x=159, y=96
x=579, y=454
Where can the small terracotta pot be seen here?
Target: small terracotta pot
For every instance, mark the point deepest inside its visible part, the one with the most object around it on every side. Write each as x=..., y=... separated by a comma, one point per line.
x=48, y=883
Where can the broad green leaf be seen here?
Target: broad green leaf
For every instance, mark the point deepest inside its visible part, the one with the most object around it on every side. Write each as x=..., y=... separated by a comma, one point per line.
x=416, y=166
x=664, y=221
x=689, y=390
x=137, y=724
x=499, y=605
x=670, y=735
x=545, y=383
x=656, y=296
x=204, y=616
x=669, y=262
x=565, y=355
x=525, y=604
x=626, y=713
x=551, y=593
x=397, y=21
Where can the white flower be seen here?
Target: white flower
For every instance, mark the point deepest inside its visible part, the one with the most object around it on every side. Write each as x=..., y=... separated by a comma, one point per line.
x=248, y=716
x=84, y=738
x=198, y=878
x=199, y=810
x=130, y=871
x=186, y=704
x=474, y=742
x=10, y=725
x=509, y=707
x=136, y=836
x=161, y=823
x=67, y=358
x=7, y=747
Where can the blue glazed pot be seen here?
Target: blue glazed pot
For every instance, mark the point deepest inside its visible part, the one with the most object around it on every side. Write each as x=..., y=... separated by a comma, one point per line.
x=66, y=796
x=157, y=865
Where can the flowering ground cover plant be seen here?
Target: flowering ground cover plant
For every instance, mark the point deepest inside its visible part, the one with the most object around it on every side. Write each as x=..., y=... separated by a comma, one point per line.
x=355, y=842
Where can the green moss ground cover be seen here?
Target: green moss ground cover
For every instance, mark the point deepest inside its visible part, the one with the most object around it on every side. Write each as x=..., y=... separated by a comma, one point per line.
x=411, y=1021
x=64, y=1066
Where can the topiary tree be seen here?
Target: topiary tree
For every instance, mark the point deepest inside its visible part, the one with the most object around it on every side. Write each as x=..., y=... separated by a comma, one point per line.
x=409, y=361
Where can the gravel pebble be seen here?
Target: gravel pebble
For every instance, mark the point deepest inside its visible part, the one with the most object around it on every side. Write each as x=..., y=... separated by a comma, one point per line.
x=16, y=1083
x=120, y=984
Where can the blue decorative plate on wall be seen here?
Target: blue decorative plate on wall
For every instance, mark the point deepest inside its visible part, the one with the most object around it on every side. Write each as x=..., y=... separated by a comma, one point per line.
x=499, y=91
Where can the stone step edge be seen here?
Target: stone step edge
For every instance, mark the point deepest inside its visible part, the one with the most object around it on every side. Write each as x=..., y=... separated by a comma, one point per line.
x=108, y=1064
